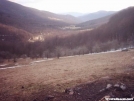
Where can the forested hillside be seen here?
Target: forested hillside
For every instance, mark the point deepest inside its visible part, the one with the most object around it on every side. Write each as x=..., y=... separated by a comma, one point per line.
x=117, y=33
x=95, y=15
x=32, y=20
x=91, y=24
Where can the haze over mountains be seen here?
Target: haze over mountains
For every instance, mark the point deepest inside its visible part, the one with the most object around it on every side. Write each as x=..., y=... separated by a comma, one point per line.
x=95, y=15
x=91, y=24
x=75, y=14
x=11, y=11
x=34, y=21
x=19, y=16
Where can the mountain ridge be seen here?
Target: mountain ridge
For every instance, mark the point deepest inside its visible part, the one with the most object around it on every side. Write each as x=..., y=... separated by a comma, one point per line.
x=95, y=15
x=91, y=24
x=31, y=20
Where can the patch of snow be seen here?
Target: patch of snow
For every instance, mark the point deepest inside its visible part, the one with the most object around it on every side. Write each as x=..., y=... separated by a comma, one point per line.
x=70, y=27
x=32, y=63
x=41, y=60
x=12, y=67
x=106, y=52
x=3, y=65
x=51, y=18
x=3, y=68
x=68, y=56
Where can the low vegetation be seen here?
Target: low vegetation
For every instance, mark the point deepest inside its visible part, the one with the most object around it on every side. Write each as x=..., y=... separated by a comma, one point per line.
x=52, y=77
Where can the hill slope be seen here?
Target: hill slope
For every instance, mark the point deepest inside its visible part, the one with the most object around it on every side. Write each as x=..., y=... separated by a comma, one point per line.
x=31, y=20
x=120, y=26
x=95, y=15
x=117, y=33
x=9, y=33
x=94, y=23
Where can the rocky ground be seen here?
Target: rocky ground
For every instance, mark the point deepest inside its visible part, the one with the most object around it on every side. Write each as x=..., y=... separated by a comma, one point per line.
x=114, y=86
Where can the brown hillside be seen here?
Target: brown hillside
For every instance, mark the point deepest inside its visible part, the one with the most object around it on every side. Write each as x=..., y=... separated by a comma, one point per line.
x=9, y=33
x=30, y=19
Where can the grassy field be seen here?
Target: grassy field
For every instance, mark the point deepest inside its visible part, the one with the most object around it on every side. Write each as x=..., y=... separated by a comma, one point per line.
x=24, y=83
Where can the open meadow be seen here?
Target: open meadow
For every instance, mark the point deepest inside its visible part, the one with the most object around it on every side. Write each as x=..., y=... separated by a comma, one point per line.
x=55, y=75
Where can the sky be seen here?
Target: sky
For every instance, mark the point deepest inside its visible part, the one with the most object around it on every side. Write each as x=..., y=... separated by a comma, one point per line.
x=81, y=6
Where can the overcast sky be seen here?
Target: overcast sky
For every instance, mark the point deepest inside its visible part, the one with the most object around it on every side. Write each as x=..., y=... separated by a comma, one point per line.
x=82, y=6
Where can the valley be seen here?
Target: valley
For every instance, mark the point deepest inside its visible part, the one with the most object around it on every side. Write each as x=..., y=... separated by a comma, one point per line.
x=46, y=56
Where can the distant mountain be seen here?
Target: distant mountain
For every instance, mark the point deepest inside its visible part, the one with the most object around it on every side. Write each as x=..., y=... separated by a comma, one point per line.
x=95, y=15
x=91, y=24
x=117, y=33
x=32, y=20
x=119, y=29
x=75, y=14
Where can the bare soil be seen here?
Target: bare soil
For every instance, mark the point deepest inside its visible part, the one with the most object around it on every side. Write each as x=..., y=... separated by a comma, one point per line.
x=35, y=82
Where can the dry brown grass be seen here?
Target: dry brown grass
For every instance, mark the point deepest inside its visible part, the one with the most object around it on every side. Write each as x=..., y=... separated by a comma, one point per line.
x=62, y=73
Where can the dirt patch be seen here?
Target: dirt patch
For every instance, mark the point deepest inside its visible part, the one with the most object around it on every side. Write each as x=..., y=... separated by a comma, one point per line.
x=96, y=90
